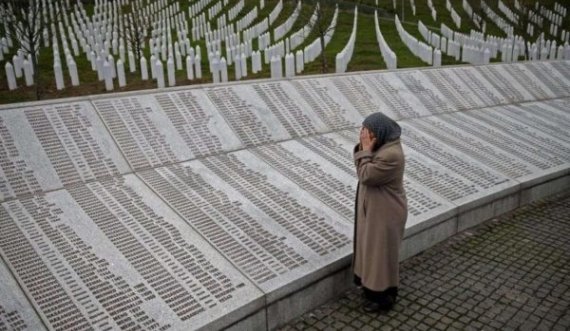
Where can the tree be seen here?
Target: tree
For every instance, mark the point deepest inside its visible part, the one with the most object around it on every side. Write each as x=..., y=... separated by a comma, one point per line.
x=25, y=23
x=135, y=31
x=321, y=21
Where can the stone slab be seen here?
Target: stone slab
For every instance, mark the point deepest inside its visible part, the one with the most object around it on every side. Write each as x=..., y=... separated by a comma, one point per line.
x=558, y=82
x=499, y=149
x=165, y=128
x=534, y=114
x=324, y=99
x=454, y=90
x=276, y=233
x=49, y=147
x=523, y=75
x=111, y=243
x=486, y=183
x=418, y=85
x=364, y=97
x=395, y=95
x=499, y=79
x=479, y=86
x=16, y=312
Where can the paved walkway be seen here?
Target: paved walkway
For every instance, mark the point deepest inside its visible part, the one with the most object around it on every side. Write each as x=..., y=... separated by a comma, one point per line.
x=510, y=273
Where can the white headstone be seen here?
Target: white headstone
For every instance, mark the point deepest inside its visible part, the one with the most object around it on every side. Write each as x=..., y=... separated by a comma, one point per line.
x=224, y=70
x=159, y=74
x=300, y=64
x=189, y=68
x=237, y=67
x=132, y=62
x=111, y=61
x=171, y=71
x=437, y=58
x=58, y=75
x=108, y=74
x=560, y=54
x=276, y=69
x=144, y=68
x=28, y=73
x=17, y=66
x=121, y=73
x=215, y=68
x=486, y=56
x=73, y=74
x=10, y=76
x=243, y=65
x=198, y=64
x=289, y=65
x=153, y=60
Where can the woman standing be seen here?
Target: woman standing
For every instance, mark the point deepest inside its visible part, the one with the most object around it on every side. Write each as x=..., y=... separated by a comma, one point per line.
x=381, y=211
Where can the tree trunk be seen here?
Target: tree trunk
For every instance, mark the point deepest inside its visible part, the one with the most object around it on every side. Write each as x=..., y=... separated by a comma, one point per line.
x=324, y=65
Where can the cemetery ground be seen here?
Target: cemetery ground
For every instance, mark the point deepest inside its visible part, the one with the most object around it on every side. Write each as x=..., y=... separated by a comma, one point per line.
x=509, y=273
x=366, y=53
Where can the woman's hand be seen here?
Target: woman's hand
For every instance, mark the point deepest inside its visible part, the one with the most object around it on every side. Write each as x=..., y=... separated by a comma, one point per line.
x=367, y=139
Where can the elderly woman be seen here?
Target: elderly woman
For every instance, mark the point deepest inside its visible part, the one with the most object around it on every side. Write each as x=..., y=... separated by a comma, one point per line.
x=381, y=211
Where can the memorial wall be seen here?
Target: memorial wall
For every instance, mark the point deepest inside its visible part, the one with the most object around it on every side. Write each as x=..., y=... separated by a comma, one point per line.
x=200, y=207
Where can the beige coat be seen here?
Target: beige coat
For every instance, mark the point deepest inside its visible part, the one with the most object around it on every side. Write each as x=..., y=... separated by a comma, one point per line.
x=381, y=213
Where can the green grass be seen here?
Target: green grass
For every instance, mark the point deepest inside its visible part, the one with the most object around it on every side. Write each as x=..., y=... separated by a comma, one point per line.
x=366, y=54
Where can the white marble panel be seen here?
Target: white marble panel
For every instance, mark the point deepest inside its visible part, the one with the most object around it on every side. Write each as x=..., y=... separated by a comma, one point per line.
x=479, y=86
x=51, y=146
x=363, y=97
x=323, y=98
x=485, y=181
x=394, y=93
x=501, y=80
x=522, y=75
x=427, y=94
x=16, y=312
x=271, y=229
x=247, y=114
x=449, y=84
x=120, y=256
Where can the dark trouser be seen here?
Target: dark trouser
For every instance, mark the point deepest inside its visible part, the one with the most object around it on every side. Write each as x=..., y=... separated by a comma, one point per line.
x=386, y=297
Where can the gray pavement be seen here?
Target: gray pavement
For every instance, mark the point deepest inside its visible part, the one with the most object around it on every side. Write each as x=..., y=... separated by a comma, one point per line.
x=509, y=273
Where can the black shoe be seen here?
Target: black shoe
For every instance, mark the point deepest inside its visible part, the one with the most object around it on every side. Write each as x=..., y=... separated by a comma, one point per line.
x=375, y=307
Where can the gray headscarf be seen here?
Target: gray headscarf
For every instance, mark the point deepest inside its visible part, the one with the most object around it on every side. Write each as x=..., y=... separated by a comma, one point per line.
x=384, y=128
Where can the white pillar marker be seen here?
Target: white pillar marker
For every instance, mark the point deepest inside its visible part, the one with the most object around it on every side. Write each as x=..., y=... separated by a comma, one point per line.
x=243, y=65
x=121, y=73
x=108, y=74
x=58, y=76
x=10, y=76
x=144, y=68
x=73, y=74
x=28, y=73
x=215, y=69
x=237, y=67
x=224, y=70
x=153, y=66
x=198, y=64
x=17, y=66
x=171, y=72
x=159, y=74
x=289, y=65
x=189, y=68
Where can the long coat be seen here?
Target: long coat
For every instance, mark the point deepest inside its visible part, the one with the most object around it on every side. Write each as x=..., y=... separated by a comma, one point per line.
x=381, y=213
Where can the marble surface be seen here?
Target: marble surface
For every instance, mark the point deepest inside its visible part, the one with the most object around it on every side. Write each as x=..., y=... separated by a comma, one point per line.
x=199, y=207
